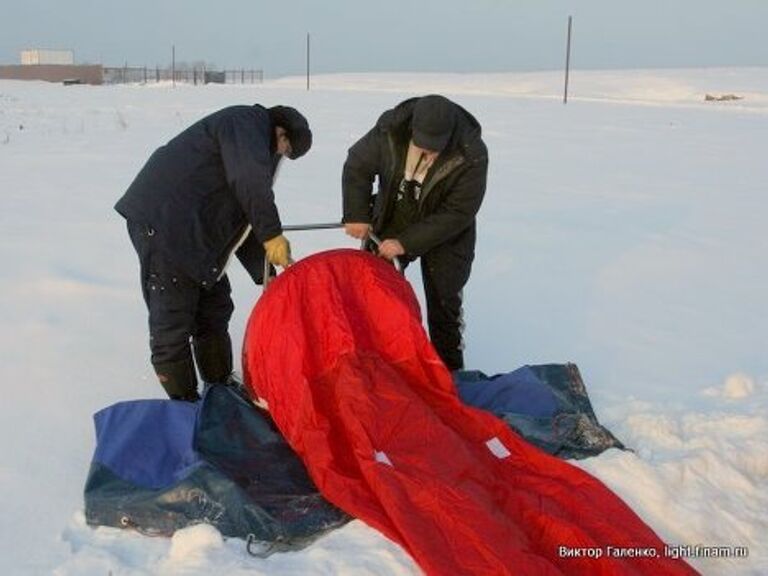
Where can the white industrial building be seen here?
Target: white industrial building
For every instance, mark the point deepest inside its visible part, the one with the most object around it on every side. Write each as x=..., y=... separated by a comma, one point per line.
x=33, y=57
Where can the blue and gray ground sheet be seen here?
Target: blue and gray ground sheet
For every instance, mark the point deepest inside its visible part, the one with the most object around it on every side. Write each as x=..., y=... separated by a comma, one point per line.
x=162, y=465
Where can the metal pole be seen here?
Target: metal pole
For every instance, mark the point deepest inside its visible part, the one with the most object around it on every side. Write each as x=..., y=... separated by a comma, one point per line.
x=307, y=61
x=567, y=60
x=299, y=227
x=296, y=227
x=323, y=226
x=376, y=240
x=173, y=65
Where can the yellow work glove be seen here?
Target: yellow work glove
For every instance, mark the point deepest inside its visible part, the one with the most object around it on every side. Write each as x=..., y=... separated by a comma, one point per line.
x=278, y=251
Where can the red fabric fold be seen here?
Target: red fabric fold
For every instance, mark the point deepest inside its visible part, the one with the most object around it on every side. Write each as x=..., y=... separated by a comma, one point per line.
x=336, y=348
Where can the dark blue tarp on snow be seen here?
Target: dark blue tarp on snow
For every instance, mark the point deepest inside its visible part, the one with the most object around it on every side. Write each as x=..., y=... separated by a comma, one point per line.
x=547, y=404
x=162, y=465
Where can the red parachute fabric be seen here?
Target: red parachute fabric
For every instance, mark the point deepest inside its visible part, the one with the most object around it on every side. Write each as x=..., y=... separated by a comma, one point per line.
x=336, y=348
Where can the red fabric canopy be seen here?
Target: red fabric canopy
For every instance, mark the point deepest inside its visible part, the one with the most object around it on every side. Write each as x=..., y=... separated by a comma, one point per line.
x=336, y=348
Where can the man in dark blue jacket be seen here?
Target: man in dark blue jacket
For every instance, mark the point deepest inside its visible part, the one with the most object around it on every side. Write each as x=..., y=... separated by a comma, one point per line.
x=431, y=164
x=201, y=198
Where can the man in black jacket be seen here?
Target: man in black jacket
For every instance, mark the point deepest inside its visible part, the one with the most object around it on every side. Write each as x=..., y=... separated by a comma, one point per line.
x=432, y=166
x=201, y=198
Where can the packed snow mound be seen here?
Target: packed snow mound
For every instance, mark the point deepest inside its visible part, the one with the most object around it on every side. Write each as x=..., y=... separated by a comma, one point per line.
x=682, y=459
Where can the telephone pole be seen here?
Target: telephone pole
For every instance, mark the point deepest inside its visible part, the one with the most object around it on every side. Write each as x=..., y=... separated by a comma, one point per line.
x=567, y=60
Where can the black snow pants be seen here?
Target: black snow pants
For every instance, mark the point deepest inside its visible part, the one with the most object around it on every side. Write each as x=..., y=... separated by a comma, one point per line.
x=179, y=308
x=445, y=271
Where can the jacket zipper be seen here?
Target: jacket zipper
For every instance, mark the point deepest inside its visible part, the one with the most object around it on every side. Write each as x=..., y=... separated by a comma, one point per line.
x=441, y=174
x=387, y=198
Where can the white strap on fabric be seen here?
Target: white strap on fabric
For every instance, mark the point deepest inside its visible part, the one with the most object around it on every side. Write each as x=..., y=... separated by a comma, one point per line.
x=497, y=448
x=382, y=458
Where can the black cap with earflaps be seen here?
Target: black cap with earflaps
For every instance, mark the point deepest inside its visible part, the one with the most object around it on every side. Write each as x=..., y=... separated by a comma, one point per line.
x=296, y=128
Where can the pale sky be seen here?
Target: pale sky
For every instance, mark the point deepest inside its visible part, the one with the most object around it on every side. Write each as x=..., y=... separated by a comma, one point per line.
x=394, y=35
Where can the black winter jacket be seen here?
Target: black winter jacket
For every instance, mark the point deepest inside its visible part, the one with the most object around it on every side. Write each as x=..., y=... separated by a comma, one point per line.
x=201, y=190
x=452, y=192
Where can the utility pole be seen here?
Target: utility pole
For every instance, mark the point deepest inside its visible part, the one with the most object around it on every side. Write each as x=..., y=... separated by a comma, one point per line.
x=173, y=65
x=567, y=60
x=307, y=61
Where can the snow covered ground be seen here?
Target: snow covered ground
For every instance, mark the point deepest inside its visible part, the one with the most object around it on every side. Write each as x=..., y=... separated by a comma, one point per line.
x=625, y=232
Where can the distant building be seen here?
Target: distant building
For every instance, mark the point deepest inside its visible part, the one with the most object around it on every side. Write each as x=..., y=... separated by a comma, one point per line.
x=58, y=57
x=52, y=66
x=59, y=66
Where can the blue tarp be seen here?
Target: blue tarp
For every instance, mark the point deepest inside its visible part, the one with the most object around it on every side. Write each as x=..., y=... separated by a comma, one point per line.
x=148, y=442
x=547, y=404
x=162, y=465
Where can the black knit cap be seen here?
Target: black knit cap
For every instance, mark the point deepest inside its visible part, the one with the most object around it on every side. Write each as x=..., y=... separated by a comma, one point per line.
x=434, y=118
x=296, y=128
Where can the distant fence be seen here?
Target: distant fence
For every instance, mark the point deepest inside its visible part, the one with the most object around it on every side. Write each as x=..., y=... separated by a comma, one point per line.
x=146, y=75
x=85, y=74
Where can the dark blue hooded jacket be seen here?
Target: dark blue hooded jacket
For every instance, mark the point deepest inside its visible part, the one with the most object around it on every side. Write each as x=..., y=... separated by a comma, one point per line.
x=200, y=191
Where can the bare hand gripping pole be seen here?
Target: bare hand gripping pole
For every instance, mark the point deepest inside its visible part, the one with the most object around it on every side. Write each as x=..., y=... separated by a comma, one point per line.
x=376, y=240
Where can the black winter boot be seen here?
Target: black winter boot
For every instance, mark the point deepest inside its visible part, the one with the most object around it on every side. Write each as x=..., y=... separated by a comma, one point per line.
x=214, y=357
x=178, y=379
